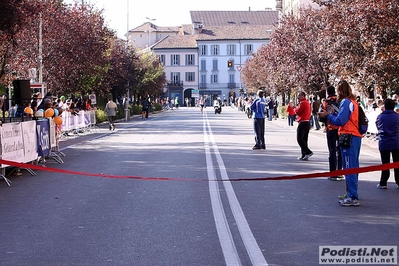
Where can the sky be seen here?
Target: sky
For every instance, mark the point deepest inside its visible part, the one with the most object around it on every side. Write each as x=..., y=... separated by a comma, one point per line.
x=165, y=12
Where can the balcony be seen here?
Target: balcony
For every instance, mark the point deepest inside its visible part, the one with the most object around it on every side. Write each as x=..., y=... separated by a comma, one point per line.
x=203, y=85
x=175, y=84
x=231, y=85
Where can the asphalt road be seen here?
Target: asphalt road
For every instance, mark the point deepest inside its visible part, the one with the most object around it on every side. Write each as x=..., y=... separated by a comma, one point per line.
x=193, y=218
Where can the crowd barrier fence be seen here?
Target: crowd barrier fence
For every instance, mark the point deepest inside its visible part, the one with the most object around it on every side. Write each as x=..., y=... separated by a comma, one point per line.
x=34, y=141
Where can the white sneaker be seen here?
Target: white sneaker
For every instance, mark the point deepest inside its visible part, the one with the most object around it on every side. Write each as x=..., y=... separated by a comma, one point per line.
x=306, y=157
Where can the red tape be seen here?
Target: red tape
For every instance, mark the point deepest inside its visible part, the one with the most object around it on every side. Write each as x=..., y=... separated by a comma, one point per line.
x=348, y=171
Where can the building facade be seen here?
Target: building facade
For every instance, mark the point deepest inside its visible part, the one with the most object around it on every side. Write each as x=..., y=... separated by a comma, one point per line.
x=207, y=59
x=292, y=7
x=179, y=56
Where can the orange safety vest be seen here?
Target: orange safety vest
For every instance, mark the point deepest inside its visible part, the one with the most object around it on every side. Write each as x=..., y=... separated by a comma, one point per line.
x=351, y=127
x=329, y=125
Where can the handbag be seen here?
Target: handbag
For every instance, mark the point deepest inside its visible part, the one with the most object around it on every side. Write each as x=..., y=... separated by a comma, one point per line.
x=345, y=140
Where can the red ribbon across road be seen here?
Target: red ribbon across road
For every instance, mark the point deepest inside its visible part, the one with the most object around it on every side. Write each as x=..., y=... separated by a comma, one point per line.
x=364, y=169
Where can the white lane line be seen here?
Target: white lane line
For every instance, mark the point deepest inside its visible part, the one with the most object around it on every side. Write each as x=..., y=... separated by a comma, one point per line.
x=226, y=239
x=248, y=238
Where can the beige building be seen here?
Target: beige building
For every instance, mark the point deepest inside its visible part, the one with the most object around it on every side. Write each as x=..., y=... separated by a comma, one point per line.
x=205, y=59
x=287, y=7
x=148, y=34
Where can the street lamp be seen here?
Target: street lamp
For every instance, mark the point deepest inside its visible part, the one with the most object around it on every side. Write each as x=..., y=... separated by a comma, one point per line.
x=149, y=30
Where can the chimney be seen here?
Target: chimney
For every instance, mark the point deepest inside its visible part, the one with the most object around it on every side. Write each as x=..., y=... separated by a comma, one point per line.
x=249, y=8
x=181, y=32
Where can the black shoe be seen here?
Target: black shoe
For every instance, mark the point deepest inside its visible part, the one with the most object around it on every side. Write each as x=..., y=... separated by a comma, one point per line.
x=263, y=147
x=255, y=147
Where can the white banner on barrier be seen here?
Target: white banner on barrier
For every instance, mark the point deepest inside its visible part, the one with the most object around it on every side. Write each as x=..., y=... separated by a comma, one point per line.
x=12, y=145
x=53, y=140
x=30, y=143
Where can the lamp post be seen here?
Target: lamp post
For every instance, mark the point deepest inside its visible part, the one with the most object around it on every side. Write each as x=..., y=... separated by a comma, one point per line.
x=40, y=57
x=149, y=30
x=127, y=20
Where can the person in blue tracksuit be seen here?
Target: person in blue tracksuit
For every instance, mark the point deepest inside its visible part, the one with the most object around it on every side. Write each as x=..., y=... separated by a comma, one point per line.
x=347, y=120
x=258, y=107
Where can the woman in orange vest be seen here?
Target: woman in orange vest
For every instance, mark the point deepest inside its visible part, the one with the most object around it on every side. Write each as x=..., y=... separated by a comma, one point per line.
x=347, y=120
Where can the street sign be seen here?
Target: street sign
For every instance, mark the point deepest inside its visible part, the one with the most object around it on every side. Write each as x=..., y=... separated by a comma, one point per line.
x=93, y=98
x=195, y=93
x=42, y=87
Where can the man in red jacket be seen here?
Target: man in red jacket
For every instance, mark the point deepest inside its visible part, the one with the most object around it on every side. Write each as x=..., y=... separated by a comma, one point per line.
x=302, y=112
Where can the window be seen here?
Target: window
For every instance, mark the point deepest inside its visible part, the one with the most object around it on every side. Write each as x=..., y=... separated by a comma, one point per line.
x=175, y=59
x=215, y=65
x=190, y=76
x=175, y=77
x=215, y=49
x=231, y=78
x=214, y=78
x=203, y=65
x=202, y=49
x=203, y=78
x=231, y=49
x=162, y=59
x=248, y=49
x=190, y=59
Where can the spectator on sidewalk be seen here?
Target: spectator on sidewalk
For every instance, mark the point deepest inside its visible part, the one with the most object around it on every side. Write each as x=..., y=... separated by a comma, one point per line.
x=144, y=108
x=291, y=113
x=315, y=110
x=388, y=140
x=302, y=112
x=270, y=108
x=334, y=153
x=347, y=120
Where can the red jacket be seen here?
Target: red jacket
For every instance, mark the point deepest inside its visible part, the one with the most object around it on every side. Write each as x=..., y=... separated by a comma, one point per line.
x=303, y=111
x=290, y=110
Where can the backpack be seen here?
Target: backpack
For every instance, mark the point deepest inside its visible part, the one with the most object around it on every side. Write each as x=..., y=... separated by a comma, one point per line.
x=363, y=121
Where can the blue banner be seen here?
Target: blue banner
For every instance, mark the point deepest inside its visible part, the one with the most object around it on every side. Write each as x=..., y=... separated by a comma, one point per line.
x=43, y=137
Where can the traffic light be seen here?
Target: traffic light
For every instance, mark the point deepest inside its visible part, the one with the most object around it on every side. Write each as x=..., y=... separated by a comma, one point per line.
x=230, y=63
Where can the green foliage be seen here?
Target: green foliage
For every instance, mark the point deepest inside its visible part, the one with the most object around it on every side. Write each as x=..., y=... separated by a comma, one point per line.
x=156, y=107
x=136, y=109
x=101, y=116
x=282, y=111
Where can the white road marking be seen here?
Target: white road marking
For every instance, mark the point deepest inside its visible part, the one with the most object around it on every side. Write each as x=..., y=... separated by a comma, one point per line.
x=223, y=229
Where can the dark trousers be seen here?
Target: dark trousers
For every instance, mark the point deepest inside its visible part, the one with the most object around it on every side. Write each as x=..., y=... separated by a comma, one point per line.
x=386, y=158
x=316, y=121
x=111, y=120
x=291, y=119
x=259, y=128
x=302, y=135
x=334, y=152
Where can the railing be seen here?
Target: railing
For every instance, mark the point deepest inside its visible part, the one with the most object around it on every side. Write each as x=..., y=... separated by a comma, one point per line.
x=203, y=85
x=174, y=83
x=231, y=85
